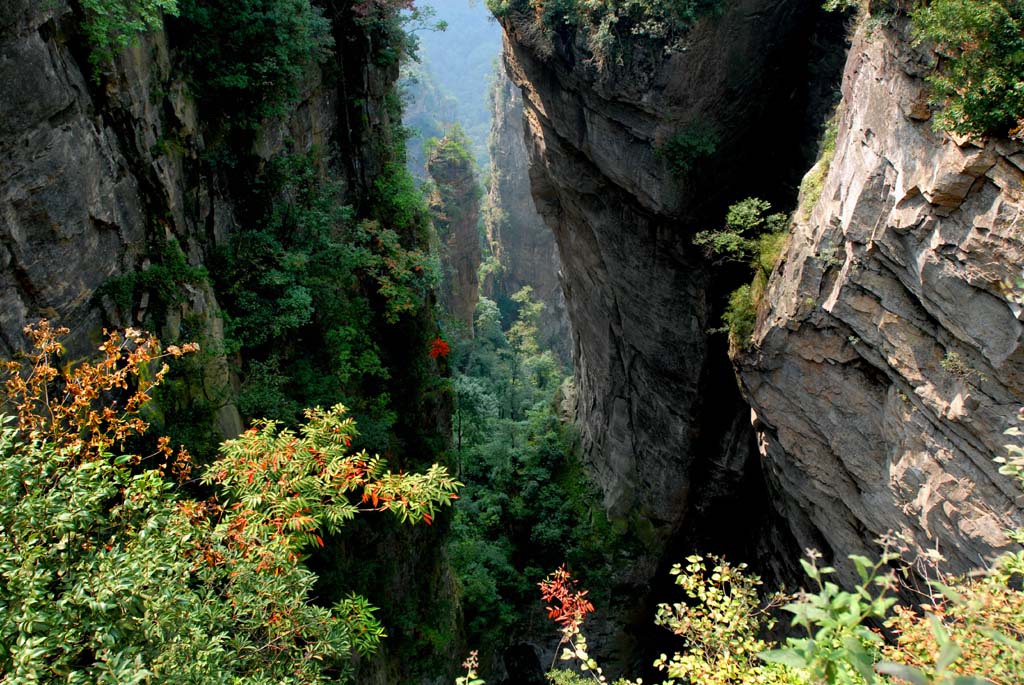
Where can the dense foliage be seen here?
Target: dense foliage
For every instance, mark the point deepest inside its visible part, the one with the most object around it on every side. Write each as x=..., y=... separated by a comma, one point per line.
x=247, y=57
x=110, y=26
x=306, y=286
x=980, y=78
x=965, y=630
x=110, y=573
x=526, y=504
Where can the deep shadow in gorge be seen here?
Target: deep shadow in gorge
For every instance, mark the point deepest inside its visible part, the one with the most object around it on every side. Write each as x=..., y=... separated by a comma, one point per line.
x=665, y=430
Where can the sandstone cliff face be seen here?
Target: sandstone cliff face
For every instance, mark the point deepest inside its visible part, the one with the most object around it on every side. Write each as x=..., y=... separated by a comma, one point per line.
x=520, y=240
x=638, y=295
x=94, y=173
x=455, y=207
x=85, y=184
x=889, y=359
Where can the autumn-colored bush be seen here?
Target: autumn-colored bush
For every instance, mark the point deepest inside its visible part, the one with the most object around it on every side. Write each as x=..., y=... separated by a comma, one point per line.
x=110, y=573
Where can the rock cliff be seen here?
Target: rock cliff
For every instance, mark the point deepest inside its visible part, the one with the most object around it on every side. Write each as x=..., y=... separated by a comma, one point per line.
x=655, y=402
x=521, y=242
x=455, y=207
x=888, y=360
x=86, y=186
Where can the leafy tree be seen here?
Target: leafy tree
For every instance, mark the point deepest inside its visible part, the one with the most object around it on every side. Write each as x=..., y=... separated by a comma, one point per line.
x=110, y=26
x=306, y=287
x=980, y=78
x=247, y=57
x=526, y=503
x=753, y=236
x=110, y=573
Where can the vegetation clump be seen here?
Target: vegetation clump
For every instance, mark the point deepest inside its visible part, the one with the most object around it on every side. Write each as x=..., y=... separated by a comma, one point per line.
x=610, y=25
x=979, y=82
x=110, y=26
x=304, y=286
x=247, y=57
x=527, y=502
x=753, y=236
x=110, y=572
x=687, y=147
x=165, y=282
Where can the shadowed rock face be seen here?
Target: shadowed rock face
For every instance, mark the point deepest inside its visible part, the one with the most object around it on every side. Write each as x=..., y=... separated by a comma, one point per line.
x=887, y=361
x=93, y=174
x=862, y=424
x=85, y=184
x=638, y=295
x=51, y=141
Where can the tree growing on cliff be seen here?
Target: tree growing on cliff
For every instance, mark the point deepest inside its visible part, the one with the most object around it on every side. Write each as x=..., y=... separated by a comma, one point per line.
x=110, y=573
x=753, y=236
x=979, y=82
x=110, y=26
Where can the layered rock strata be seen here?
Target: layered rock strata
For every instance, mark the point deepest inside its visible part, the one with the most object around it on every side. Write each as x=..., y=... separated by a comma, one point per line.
x=888, y=361
x=638, y=295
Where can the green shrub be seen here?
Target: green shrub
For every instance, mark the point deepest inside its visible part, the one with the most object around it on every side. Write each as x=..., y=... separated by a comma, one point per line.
x=305, y=285
x=740, y=317
x=980, y=78
x=112, y=25
x=247, y=57
x=109, y=573
x=527, y=502
x=750, y=235
x=687, y=147
x=165, y=281
x=814, y=180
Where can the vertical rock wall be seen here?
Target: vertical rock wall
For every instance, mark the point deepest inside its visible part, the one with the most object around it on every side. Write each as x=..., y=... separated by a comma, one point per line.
x=89, y=176
x=455, y=208
x=640, y=298
x=520, y=240
x=888, y=361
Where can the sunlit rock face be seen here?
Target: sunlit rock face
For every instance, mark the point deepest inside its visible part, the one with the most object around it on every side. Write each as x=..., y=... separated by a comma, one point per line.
x=889, y=363
x=640, y=297
x=523, y=244
x=886, y=363
x=455, y=209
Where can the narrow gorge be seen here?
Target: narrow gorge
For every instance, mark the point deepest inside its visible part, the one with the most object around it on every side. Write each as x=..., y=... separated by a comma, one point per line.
x=677, y=281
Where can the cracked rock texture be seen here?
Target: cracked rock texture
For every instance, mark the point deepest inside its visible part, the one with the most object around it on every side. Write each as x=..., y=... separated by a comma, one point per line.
x=83, y=179
x=94, y=172
x=888, y=361
x=638, y=295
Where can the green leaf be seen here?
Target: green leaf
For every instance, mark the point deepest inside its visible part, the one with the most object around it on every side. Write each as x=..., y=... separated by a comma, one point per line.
x=949, y=653
x=786, y=657
x=903, y=672
x=859, y=658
